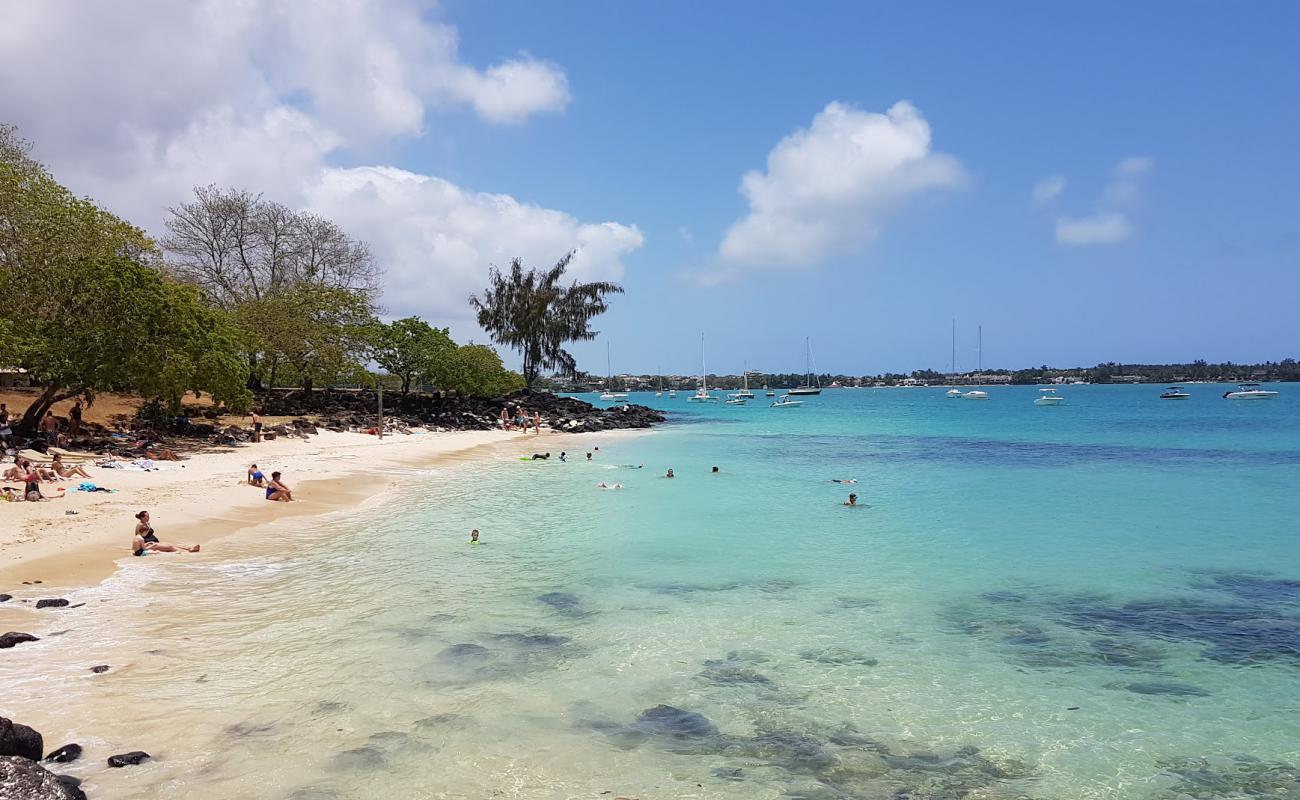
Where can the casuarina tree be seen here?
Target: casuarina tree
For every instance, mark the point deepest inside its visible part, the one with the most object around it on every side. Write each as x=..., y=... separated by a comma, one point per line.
x=536, y=314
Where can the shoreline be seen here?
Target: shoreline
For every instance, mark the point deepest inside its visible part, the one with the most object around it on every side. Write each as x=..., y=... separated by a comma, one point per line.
x=204, y=500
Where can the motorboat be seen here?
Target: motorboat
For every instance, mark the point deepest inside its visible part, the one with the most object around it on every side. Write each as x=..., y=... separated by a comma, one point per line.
x=769, y=392
x=1174, y=393
x=786, y=402
x=1250, y=391
x=953, y=393
x=1048, y=397
x=811, y=384
x=975, y=394
x=736, y=400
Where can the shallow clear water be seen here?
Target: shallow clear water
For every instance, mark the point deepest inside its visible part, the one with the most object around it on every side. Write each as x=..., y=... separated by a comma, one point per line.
x=1100, y=599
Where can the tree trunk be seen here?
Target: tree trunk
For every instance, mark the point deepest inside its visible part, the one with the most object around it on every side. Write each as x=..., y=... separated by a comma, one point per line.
x=32, y=416
x=406, y=385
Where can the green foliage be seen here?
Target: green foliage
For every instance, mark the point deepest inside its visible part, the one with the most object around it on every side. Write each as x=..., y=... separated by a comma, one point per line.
x=321, y=334
x=476, y=370
x=535, y=314
x=87, y=306
x=412, y=349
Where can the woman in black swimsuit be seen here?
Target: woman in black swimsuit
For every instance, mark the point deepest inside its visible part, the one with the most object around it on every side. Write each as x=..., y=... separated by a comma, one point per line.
x=146, y=541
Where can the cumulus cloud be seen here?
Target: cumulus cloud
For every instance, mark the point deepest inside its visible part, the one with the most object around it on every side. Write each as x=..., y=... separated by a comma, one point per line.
x=1111, y=222
x=136, y=103
x=1106, y=227
x=1048, y=189
x=829, y=188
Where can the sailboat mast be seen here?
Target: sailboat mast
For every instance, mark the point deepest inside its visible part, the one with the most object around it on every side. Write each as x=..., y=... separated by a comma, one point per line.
x=954, y=347
x=807, y=361
x=979, y=349
x=704, y=367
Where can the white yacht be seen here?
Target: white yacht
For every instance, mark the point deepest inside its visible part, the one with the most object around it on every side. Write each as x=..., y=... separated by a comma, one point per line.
x=811, y=384
x=702, y=394
x=744, y=393
x=1174, y=393
x=1048, y=397
x=1250, y=391
x=953, y=393
x=975, y=394
x=785, y=402
x=609, y=394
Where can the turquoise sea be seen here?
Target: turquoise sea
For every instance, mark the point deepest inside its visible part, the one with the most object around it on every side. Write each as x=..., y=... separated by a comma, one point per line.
x=1096, y=600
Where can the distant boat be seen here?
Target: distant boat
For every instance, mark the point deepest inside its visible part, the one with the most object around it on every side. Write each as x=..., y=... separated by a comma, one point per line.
x=786, y=402
x=609, y=373
x=1174, y=393
x=1250, y=391
x=953, y=393
x=744, y=393
x=976, y=395
x=810, y=385
x=769, y=392
x=702, y=394
x=1049, y=397
x=660, y=391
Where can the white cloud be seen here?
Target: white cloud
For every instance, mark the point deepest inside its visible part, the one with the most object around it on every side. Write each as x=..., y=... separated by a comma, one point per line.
x=1105, y=227
x=1112, y=222
x=828, y=189
x=1048, y=189
x=136, y=103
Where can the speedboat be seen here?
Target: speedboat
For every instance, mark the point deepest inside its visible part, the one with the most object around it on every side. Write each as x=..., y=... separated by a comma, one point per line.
x=1250, y=391
x=976, y=395
x=953, y=393
x=609, y=396
x=736, y=400
x=786, y=402
x=769, y=392
x=1048, y=397
x=702, y=396
x=1174, y=393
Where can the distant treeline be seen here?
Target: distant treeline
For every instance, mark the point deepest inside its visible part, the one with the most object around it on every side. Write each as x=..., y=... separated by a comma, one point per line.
x=1285, y=370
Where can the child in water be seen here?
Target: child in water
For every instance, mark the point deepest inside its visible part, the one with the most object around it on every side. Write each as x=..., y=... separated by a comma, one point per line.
x=473, y=536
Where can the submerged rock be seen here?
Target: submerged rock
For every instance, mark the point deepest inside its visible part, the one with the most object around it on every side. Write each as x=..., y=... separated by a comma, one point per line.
x=837, y=656
x=5, y=598
x=20, y=740
x=795, y=752
x=361, y=758
x=12, y=638
x=128, y=759
x=563, y=602
x=440, y=721
x=676, y=723
x=533, y=640
x=1169, y=688
x=51, y=602
x=466, y=651
x=1239, y=776
x=99, y=669
x=724, y=674
x=65, y=754
x=24, y=779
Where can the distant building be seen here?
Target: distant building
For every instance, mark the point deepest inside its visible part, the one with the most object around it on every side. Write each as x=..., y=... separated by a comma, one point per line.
x=12, y=377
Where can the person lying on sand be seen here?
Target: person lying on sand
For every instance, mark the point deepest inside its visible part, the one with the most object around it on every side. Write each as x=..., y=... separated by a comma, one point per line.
x=32, y=487
x=275, y=490
x=144, y=540
x=255, y=476
x=65, y=471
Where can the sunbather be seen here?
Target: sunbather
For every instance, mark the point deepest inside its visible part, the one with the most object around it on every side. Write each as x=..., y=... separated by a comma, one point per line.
x=66, y=471
x=275, y=490
x=144, y=541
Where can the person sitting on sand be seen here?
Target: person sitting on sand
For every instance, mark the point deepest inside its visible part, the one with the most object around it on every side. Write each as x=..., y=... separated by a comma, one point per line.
x=255, y=476
x=852, y=501
x=473, y=536
x=275, y=490
x=144, y=541
x=65, y=471
x=32, y=486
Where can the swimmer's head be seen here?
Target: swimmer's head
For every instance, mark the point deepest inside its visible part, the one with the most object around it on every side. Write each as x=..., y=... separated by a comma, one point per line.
x=715, y=469
x=473, y=535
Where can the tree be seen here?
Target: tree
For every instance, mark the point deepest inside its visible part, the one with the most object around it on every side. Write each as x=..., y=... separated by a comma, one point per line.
x=88, y=307
x=321, y=334
x=533, y=313
x=475, y=370
x=411, y=349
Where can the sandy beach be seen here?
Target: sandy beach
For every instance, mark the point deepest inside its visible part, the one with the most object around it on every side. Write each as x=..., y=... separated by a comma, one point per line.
x=201, y=499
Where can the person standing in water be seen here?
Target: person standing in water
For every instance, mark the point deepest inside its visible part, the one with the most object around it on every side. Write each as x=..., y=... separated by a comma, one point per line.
x=852, y=501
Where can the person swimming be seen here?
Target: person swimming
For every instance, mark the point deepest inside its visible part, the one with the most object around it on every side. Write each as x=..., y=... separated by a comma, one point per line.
x=852, y=501
x=670, y=473
x=564, y=456
x=540, y=456
x=604, y=485
x=588, y=455
x=844, y=480
x=473, y=536
x=716, y=470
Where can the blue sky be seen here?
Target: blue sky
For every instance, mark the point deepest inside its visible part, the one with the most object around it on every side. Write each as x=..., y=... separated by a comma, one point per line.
x=457, y=135
x=674, y=102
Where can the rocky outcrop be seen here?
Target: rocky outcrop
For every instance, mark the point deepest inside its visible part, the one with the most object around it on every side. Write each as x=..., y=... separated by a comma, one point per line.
x=20, y=740
x=22, y=779
x=5, y=598
x=128, y=759
x=64, y=755
x=344, y=410
x=12, y=638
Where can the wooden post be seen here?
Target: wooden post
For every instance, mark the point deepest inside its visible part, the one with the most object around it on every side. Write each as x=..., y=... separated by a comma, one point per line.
x=380, y=384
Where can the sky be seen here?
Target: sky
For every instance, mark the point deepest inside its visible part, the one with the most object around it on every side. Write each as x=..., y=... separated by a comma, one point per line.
x=1087, y=182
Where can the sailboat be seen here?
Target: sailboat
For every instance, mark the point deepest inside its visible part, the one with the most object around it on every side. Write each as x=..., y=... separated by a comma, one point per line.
x=660, y=391
x=744, y=394
x=810, y=385
x=702, y=394
x=608, y=394
x=954, y=391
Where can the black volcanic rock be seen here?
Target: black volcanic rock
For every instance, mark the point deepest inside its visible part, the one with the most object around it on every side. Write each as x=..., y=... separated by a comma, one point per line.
x=52, y=602
x=20, y=740
x=128, y=759
x=21, y=778
x=65, y=754
x=12, y=638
